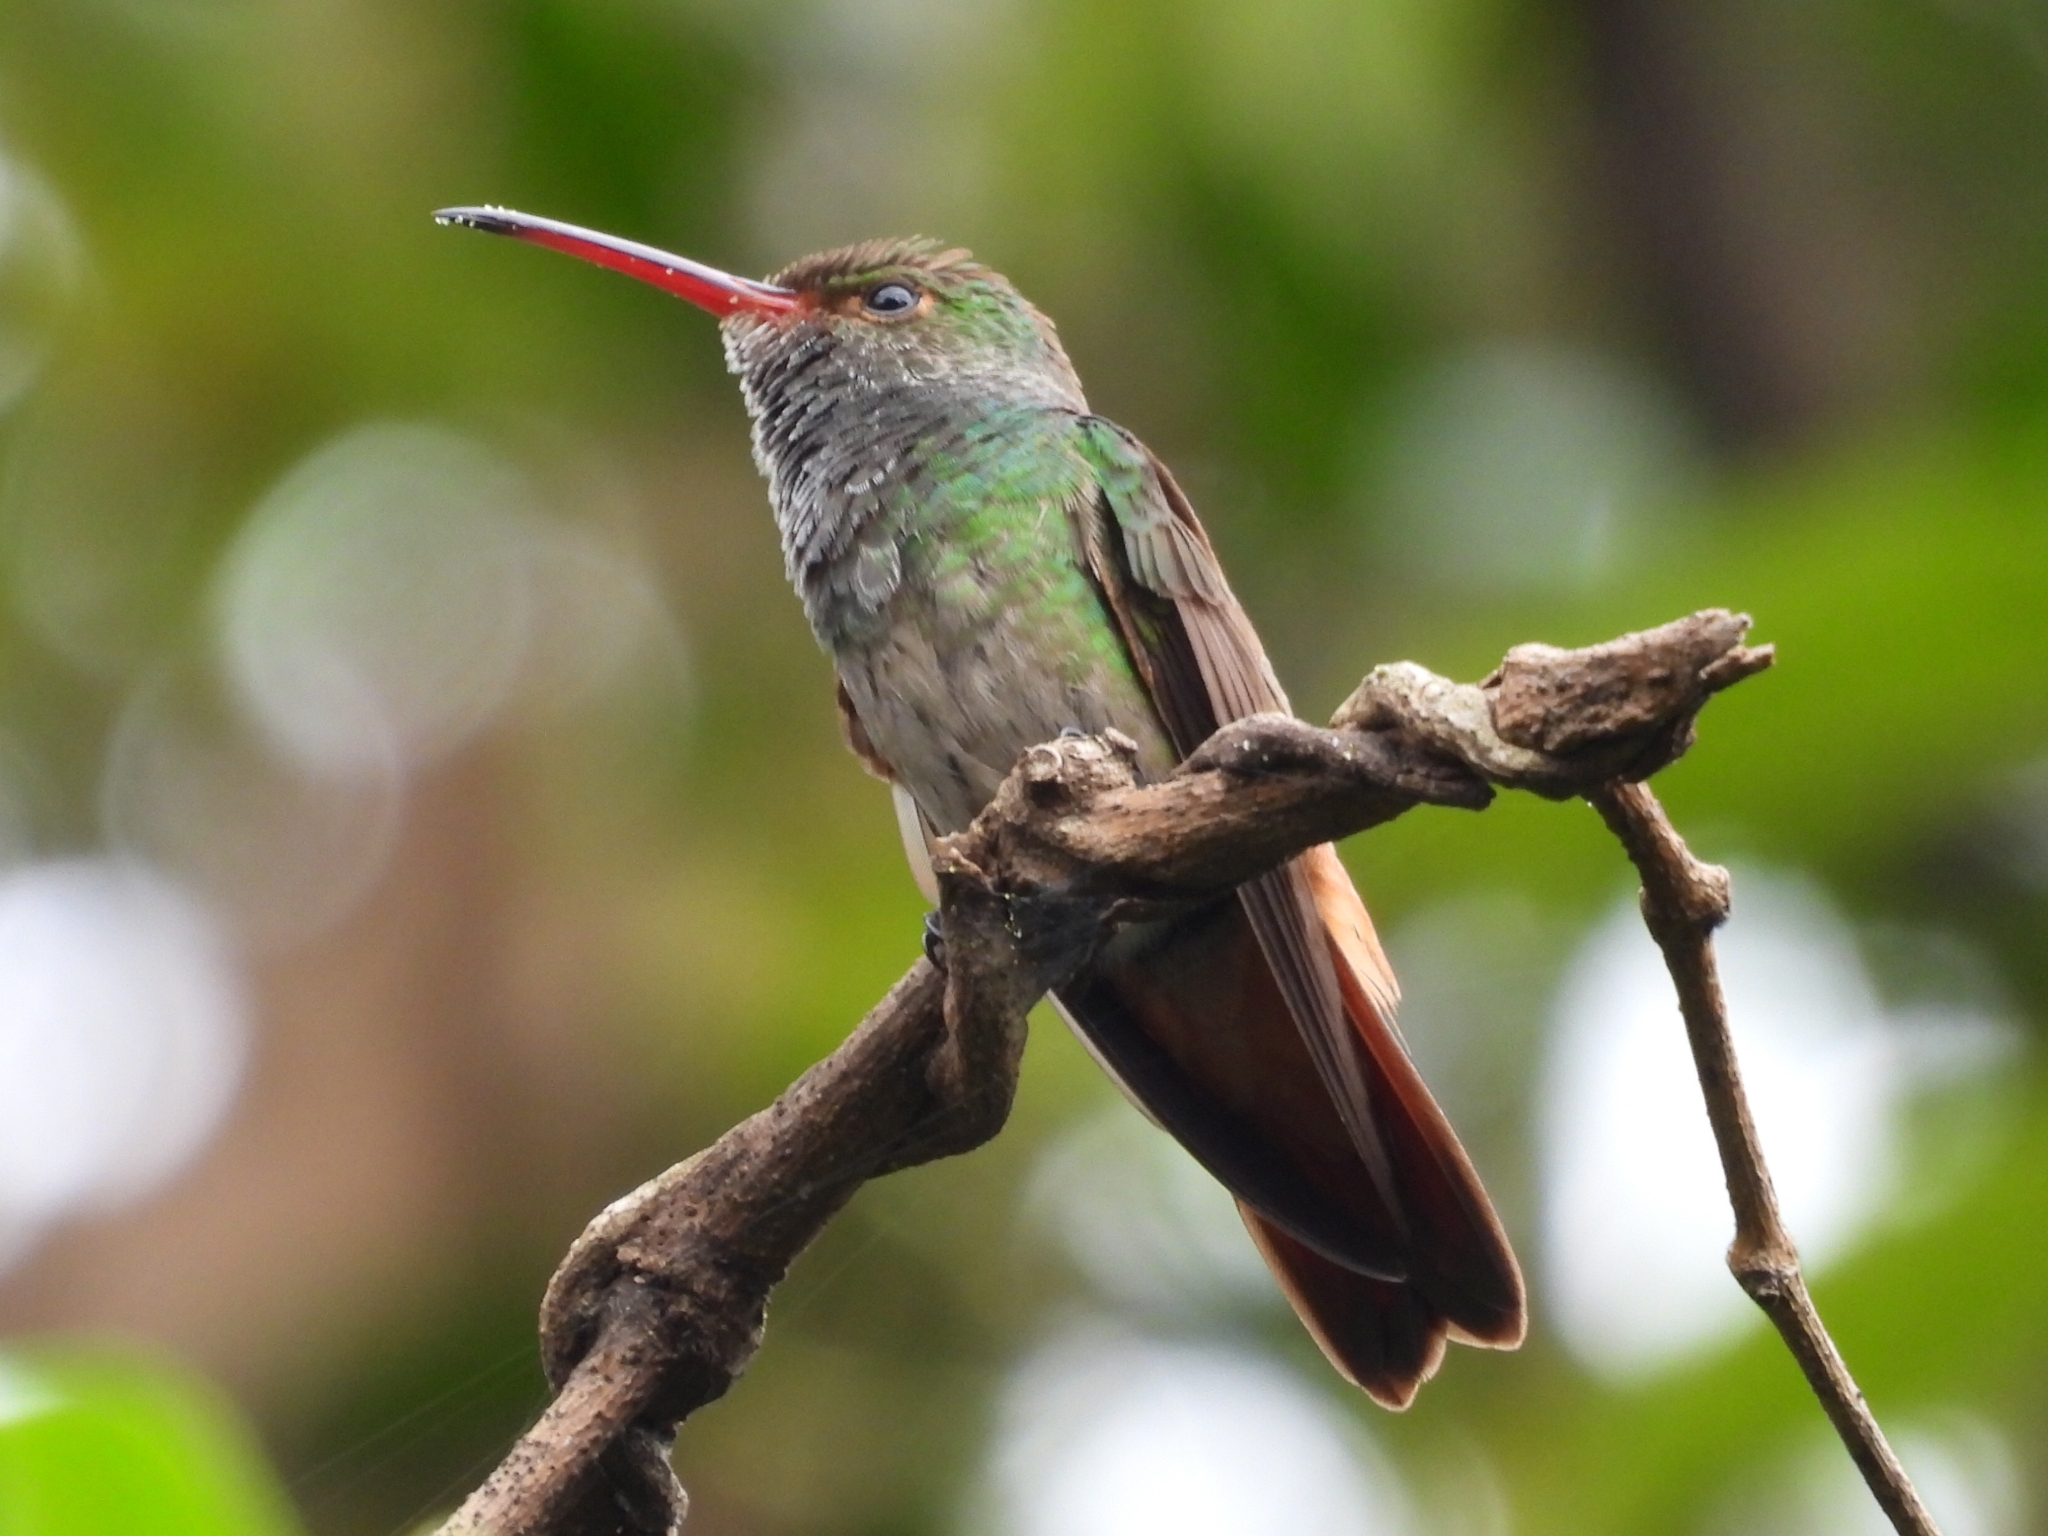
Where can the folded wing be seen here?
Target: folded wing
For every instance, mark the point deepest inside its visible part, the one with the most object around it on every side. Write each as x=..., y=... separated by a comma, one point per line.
x=1260, y=1031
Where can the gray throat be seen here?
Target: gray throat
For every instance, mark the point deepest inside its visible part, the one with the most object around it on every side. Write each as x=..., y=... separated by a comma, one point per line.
x=845, y=437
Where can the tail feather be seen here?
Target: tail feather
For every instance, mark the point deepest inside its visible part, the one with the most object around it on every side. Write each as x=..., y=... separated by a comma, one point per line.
x=1191, y=1021
x=1383, y=1336
x=1350, y=928
x=1462, y=1258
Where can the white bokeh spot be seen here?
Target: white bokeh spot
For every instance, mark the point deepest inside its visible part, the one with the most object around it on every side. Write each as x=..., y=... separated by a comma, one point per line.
x=1103, y=1432
x=377, y=602
x=123, y=1034
x=1635, y=1216
x=402, y=586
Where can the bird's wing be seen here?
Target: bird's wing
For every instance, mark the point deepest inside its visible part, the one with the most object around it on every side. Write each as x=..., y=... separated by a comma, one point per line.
x=1204, y=665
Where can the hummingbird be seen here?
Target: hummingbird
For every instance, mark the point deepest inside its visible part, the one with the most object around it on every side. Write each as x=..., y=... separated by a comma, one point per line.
x=991, y=565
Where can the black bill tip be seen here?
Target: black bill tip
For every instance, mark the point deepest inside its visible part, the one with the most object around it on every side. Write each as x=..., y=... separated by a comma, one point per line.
x=494, y=221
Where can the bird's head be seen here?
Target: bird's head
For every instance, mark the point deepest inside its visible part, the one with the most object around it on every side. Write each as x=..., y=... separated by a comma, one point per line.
x=873, y=320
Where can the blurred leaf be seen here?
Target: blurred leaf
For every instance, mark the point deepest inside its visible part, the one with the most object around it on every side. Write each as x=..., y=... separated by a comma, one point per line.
x=97, y=1442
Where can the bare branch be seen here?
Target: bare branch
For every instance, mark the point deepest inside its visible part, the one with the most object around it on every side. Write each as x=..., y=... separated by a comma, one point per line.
x=1556, y=722
x=1684, y=901
x=661, y=1302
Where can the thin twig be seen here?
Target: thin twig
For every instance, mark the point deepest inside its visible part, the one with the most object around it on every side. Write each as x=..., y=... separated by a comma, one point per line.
x=1683, y=902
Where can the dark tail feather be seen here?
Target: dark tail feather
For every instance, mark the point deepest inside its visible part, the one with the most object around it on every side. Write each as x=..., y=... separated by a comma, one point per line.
x=1460, y=1259
x=1191, y=1021
x=1381, y=1335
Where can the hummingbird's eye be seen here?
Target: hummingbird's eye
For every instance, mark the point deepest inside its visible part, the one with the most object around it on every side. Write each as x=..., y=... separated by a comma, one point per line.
x=890, y=299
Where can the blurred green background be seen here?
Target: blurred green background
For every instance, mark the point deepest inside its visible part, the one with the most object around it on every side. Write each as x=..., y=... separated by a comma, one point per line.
x=423, y=812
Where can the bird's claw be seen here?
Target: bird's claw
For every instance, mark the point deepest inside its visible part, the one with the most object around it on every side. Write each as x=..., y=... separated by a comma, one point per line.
x=934, y=940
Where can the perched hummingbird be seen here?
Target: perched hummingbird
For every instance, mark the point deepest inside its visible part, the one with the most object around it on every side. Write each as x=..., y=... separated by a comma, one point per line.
x=989, y=564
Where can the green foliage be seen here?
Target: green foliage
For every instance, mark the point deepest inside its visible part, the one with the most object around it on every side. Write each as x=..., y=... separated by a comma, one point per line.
x=103, y=1441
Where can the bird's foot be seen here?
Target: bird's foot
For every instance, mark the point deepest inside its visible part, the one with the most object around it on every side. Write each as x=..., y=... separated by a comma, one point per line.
x=934, y=940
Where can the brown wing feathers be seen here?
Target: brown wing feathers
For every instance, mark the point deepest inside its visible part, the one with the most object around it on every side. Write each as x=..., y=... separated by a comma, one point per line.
x=1455, y=1275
